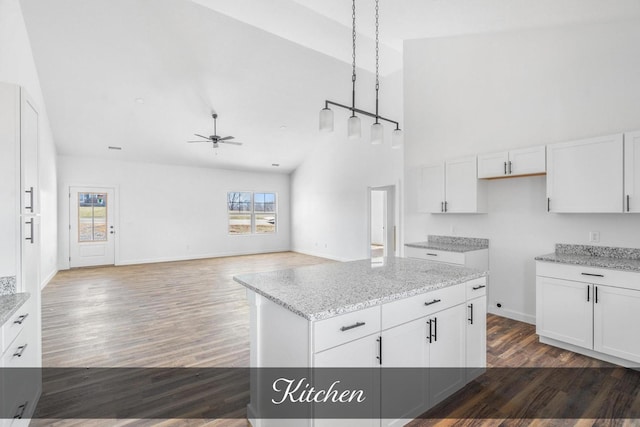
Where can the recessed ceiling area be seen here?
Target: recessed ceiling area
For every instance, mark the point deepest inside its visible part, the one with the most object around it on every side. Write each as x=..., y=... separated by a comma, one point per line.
x=145, y=75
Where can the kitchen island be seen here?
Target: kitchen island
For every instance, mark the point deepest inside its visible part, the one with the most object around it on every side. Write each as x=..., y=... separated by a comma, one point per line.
x=370, y=314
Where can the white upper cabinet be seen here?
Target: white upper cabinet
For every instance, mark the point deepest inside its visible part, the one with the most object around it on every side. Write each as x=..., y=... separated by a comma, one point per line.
x=632, y=172
x=585, y=175
x=525, y=161
x=452, y=187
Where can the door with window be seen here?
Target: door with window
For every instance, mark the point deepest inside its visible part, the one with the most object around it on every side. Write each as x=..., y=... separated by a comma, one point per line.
x=91, y=226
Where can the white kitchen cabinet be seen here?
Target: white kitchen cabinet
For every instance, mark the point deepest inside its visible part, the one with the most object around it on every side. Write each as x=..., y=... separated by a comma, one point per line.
x=589, y=309
x=586, y=175
x=476, y=336
x=632, y=172
x=521, y=162
x=452, y=187
x=614, y=311
x=564, y=311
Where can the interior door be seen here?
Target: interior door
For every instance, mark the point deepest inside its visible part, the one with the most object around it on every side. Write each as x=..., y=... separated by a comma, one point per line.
x=91, y=226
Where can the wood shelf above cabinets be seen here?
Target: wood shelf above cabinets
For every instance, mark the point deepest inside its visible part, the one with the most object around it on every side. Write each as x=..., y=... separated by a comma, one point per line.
x=529, y=161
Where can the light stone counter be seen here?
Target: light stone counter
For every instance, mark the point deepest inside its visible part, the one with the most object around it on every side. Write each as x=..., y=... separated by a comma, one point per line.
x=451, y=243
x=9, y=304
x=322, y=291
x=625, y=259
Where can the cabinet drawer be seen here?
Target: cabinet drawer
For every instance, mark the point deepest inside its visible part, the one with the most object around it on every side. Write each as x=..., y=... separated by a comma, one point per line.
x=18, y=355
x=14, y=326
x=476, y=288
x=434, y=255
x=407, y=309
x=598, y=276
x=346, y=327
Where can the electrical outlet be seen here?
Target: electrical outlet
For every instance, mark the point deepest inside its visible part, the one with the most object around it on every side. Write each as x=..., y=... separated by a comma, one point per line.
x=594, y=236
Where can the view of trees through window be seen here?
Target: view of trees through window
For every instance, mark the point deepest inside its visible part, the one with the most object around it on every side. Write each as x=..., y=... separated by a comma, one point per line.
x=251, y=212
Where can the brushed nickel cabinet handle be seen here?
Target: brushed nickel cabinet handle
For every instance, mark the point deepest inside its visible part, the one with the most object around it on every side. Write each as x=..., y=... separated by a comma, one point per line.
x=30, y=191
x=355, y=325
x=31, y=238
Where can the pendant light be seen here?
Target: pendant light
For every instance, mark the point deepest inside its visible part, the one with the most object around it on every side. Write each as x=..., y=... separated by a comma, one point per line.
x=354, y=128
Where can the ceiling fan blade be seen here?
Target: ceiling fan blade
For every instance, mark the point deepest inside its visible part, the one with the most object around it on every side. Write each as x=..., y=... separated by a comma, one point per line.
x=226, y=138
x=231, y=142
x=202, y=136
x=198, y=141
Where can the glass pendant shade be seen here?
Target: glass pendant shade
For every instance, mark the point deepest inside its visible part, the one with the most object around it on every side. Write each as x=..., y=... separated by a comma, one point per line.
x=326, y=120
x=377, y=133
x=397, y=138
x=354, y=129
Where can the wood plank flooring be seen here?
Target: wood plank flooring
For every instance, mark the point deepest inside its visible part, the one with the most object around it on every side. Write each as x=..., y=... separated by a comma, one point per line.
x=192, y=314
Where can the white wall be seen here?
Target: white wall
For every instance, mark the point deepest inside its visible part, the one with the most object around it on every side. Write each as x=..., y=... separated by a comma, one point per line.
x=172, y=212
x=17, y=66
x=329, y=190
x=482, y=93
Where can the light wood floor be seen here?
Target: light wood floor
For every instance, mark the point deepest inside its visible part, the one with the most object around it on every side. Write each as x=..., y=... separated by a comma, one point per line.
x=192, y=314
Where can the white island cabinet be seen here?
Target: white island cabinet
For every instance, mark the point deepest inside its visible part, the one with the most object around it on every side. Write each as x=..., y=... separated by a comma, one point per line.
x=403, y=313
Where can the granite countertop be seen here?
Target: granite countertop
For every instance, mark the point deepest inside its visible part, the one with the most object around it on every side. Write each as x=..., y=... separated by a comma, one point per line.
x=624, y=259
x=9, y=304
x=451, y=243
x=322, y=291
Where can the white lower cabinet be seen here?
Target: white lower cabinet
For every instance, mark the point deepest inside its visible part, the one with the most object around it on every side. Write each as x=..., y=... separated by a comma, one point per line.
x=476, y=336
x=590, y=309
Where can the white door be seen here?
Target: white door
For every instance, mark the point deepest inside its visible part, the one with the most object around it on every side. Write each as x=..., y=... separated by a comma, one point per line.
x=91, y=226
x=29, y=157
x=461, y=185
x=527, y=161
x=564, y=311
x=585, y=175
x=493, y=165
x=405, y=392
x=476, y=356
x=447, y=350
x=616, y=311
x=632, y=172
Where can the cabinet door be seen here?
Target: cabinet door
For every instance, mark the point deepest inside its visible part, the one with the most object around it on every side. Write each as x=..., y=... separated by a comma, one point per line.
x=527, y=161
x=431, y=197
x=461, y=186
x=493, y=165
x=564, y=311
x=616, y=314
x=476, y=338
x=447, y=350
x=632, y=172
x=29, y=156
x=361, y=353
x=405, y=392
x=586, y=175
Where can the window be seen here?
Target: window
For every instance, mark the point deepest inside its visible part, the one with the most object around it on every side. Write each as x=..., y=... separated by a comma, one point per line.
x=251, y=212
x=92, y=217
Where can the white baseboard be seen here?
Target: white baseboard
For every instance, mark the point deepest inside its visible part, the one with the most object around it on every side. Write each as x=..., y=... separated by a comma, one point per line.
x=512, y=314
x=197, y=256
x=321, y=255
x=591, y=353
x=47, y=279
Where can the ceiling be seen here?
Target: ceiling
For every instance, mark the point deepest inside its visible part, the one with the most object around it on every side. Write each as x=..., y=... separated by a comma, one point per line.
x=145, y=75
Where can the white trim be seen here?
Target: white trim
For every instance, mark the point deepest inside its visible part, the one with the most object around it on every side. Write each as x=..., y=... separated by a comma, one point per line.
x=201, y=256
x=589, y=352
x=321, y=255
x=46, y=281
x=512, y=314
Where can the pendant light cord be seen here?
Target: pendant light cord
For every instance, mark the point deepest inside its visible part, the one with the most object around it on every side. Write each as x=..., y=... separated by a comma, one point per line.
x=353, y=76
x=377, y=57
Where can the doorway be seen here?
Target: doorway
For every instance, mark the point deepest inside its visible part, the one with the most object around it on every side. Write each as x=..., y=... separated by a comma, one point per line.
x=382, y=226
x=91, y=226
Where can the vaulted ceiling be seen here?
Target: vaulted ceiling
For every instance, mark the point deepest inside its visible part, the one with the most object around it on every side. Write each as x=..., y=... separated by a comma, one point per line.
x=145, y=75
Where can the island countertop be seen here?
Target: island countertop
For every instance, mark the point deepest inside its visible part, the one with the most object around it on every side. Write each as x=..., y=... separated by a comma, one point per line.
x=322, y=291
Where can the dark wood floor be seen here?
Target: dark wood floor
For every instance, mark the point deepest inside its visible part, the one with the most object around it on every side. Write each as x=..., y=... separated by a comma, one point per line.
x=192, y=314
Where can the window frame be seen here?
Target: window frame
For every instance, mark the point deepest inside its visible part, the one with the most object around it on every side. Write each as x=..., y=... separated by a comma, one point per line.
x=252, y=213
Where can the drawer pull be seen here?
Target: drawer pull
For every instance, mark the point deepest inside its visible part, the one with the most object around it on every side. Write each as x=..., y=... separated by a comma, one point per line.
x=475, y=288
x=470, y=319
x=435, y=329
x=430, y=254
x=432, y=302
x=430, y=336
x=20, y=350
x=355, y=325
x=592, y=275
x=379, y=356
x=20, y=319
x=21, y=410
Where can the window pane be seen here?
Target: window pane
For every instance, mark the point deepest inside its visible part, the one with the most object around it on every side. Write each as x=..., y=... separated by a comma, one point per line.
x=269, y=202
x=265, y=223
x=92, y=217
x=258, y=202
x=239, y=223
x=239, y=202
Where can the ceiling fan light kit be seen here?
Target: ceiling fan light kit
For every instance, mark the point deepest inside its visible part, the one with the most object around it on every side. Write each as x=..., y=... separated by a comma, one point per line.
x=215, y=138
x=354, y=128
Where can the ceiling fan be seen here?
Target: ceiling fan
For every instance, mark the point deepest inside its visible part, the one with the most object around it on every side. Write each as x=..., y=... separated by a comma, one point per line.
x=215, y=138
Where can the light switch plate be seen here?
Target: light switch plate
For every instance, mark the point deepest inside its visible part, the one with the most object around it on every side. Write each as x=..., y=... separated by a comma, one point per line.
x=594, y=236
